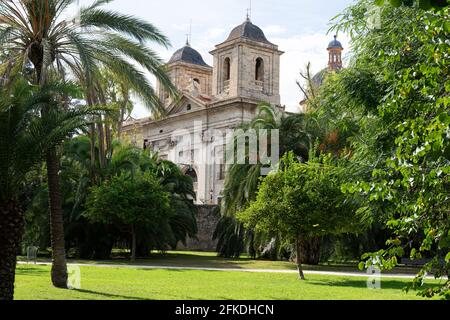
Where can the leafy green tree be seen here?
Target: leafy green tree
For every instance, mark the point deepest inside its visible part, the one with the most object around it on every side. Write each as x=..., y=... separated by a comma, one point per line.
x=407, y=179
x=130, y=200
x=242, y=180
x=300, y=201
x=38, y=32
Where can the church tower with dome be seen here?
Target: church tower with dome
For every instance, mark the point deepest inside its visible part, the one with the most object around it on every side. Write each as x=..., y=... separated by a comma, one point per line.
x=335, y=63
x=186, y=69
x=247, y=65
x=245, y=72
x=335, y=55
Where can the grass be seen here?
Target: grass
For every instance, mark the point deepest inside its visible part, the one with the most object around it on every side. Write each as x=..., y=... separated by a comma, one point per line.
x=104, y=283
x=210, y=260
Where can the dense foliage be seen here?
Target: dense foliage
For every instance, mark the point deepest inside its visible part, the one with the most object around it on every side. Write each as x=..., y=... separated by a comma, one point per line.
x=134, y=201
x=301, y=201
x=409, y=185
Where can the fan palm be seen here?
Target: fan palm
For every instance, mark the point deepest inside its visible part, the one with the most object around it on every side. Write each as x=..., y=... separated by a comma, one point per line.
x=36, y=32
x=25, y=137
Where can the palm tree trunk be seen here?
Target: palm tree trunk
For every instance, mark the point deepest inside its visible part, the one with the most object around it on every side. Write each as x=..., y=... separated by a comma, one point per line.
x=299, y=261
x=92, y=137
x=120, y=123
x=101, y=143
x=11, y=233
x=108, y=138
x=122, y=113
x=59, y=264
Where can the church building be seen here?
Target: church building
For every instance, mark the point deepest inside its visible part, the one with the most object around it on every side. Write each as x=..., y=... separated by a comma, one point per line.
x=245, y=72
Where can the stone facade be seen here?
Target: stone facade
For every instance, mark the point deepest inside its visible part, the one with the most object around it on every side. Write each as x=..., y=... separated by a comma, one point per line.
x=246, y=71
x=207, y=219
x=187, y=76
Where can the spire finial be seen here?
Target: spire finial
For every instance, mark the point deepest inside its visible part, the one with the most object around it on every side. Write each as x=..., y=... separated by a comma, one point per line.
x=335, y=37
x=249, y=11
x=187, y=40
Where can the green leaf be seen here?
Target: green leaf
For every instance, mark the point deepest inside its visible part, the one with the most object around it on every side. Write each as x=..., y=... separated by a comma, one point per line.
x=361, y=265
x=379, y=2
x=396, y=3
x=425, y=4
x=447, y=257
x=447, y=26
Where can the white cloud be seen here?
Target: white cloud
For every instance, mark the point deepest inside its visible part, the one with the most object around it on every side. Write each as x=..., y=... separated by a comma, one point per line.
x=181, y=27
x=215, y=33
x=274, y=30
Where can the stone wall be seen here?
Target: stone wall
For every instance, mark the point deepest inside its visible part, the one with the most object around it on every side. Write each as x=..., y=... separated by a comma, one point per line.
x=207, y=219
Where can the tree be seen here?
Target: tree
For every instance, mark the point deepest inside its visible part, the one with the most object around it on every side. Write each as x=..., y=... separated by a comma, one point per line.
x=24, y=139
x=298, y=133
x=407, y=187
x=300, y=201
x=37, y=32
x=95, y=240
x=131, y=200
x=423, y=4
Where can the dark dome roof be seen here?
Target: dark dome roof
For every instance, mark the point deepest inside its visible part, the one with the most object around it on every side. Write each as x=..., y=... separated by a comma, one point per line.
x=320, y=77
x=335, y=44
x=249, y=31
x=189, y=55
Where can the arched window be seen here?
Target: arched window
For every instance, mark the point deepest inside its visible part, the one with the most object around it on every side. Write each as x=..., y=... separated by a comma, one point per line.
x=191, y=173
x=259, y=70
x=226, y=69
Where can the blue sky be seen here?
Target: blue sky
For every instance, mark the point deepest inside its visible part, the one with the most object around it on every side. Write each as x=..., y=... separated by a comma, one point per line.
x=299, y=27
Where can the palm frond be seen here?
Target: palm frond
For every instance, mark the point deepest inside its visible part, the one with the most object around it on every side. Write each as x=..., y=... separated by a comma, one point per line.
x=134, y=27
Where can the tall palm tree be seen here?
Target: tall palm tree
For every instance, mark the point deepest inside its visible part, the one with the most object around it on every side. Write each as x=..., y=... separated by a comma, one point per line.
x=25, y=137
x=38, y=32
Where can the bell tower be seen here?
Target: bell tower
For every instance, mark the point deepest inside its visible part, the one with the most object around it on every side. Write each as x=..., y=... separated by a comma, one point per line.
x=247, y=65
x=335, y=55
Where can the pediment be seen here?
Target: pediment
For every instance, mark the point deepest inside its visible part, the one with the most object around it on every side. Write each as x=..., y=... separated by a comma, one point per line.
x=185, y=104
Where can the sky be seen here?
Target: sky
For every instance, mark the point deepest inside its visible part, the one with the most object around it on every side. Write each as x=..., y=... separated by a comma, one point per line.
x=298, y=27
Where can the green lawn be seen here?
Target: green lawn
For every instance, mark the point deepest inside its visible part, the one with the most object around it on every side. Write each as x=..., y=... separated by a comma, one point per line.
x=33, y=283
x=210, y=260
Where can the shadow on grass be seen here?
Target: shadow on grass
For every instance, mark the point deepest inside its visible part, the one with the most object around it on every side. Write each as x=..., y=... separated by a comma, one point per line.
x=110, y=295
x=362, y=284
x=31, y=271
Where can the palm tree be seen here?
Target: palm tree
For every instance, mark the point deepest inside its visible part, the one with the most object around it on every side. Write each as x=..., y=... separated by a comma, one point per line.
x=25, y=137
x=298, y=133
x=241, y=185
x=37, y=32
